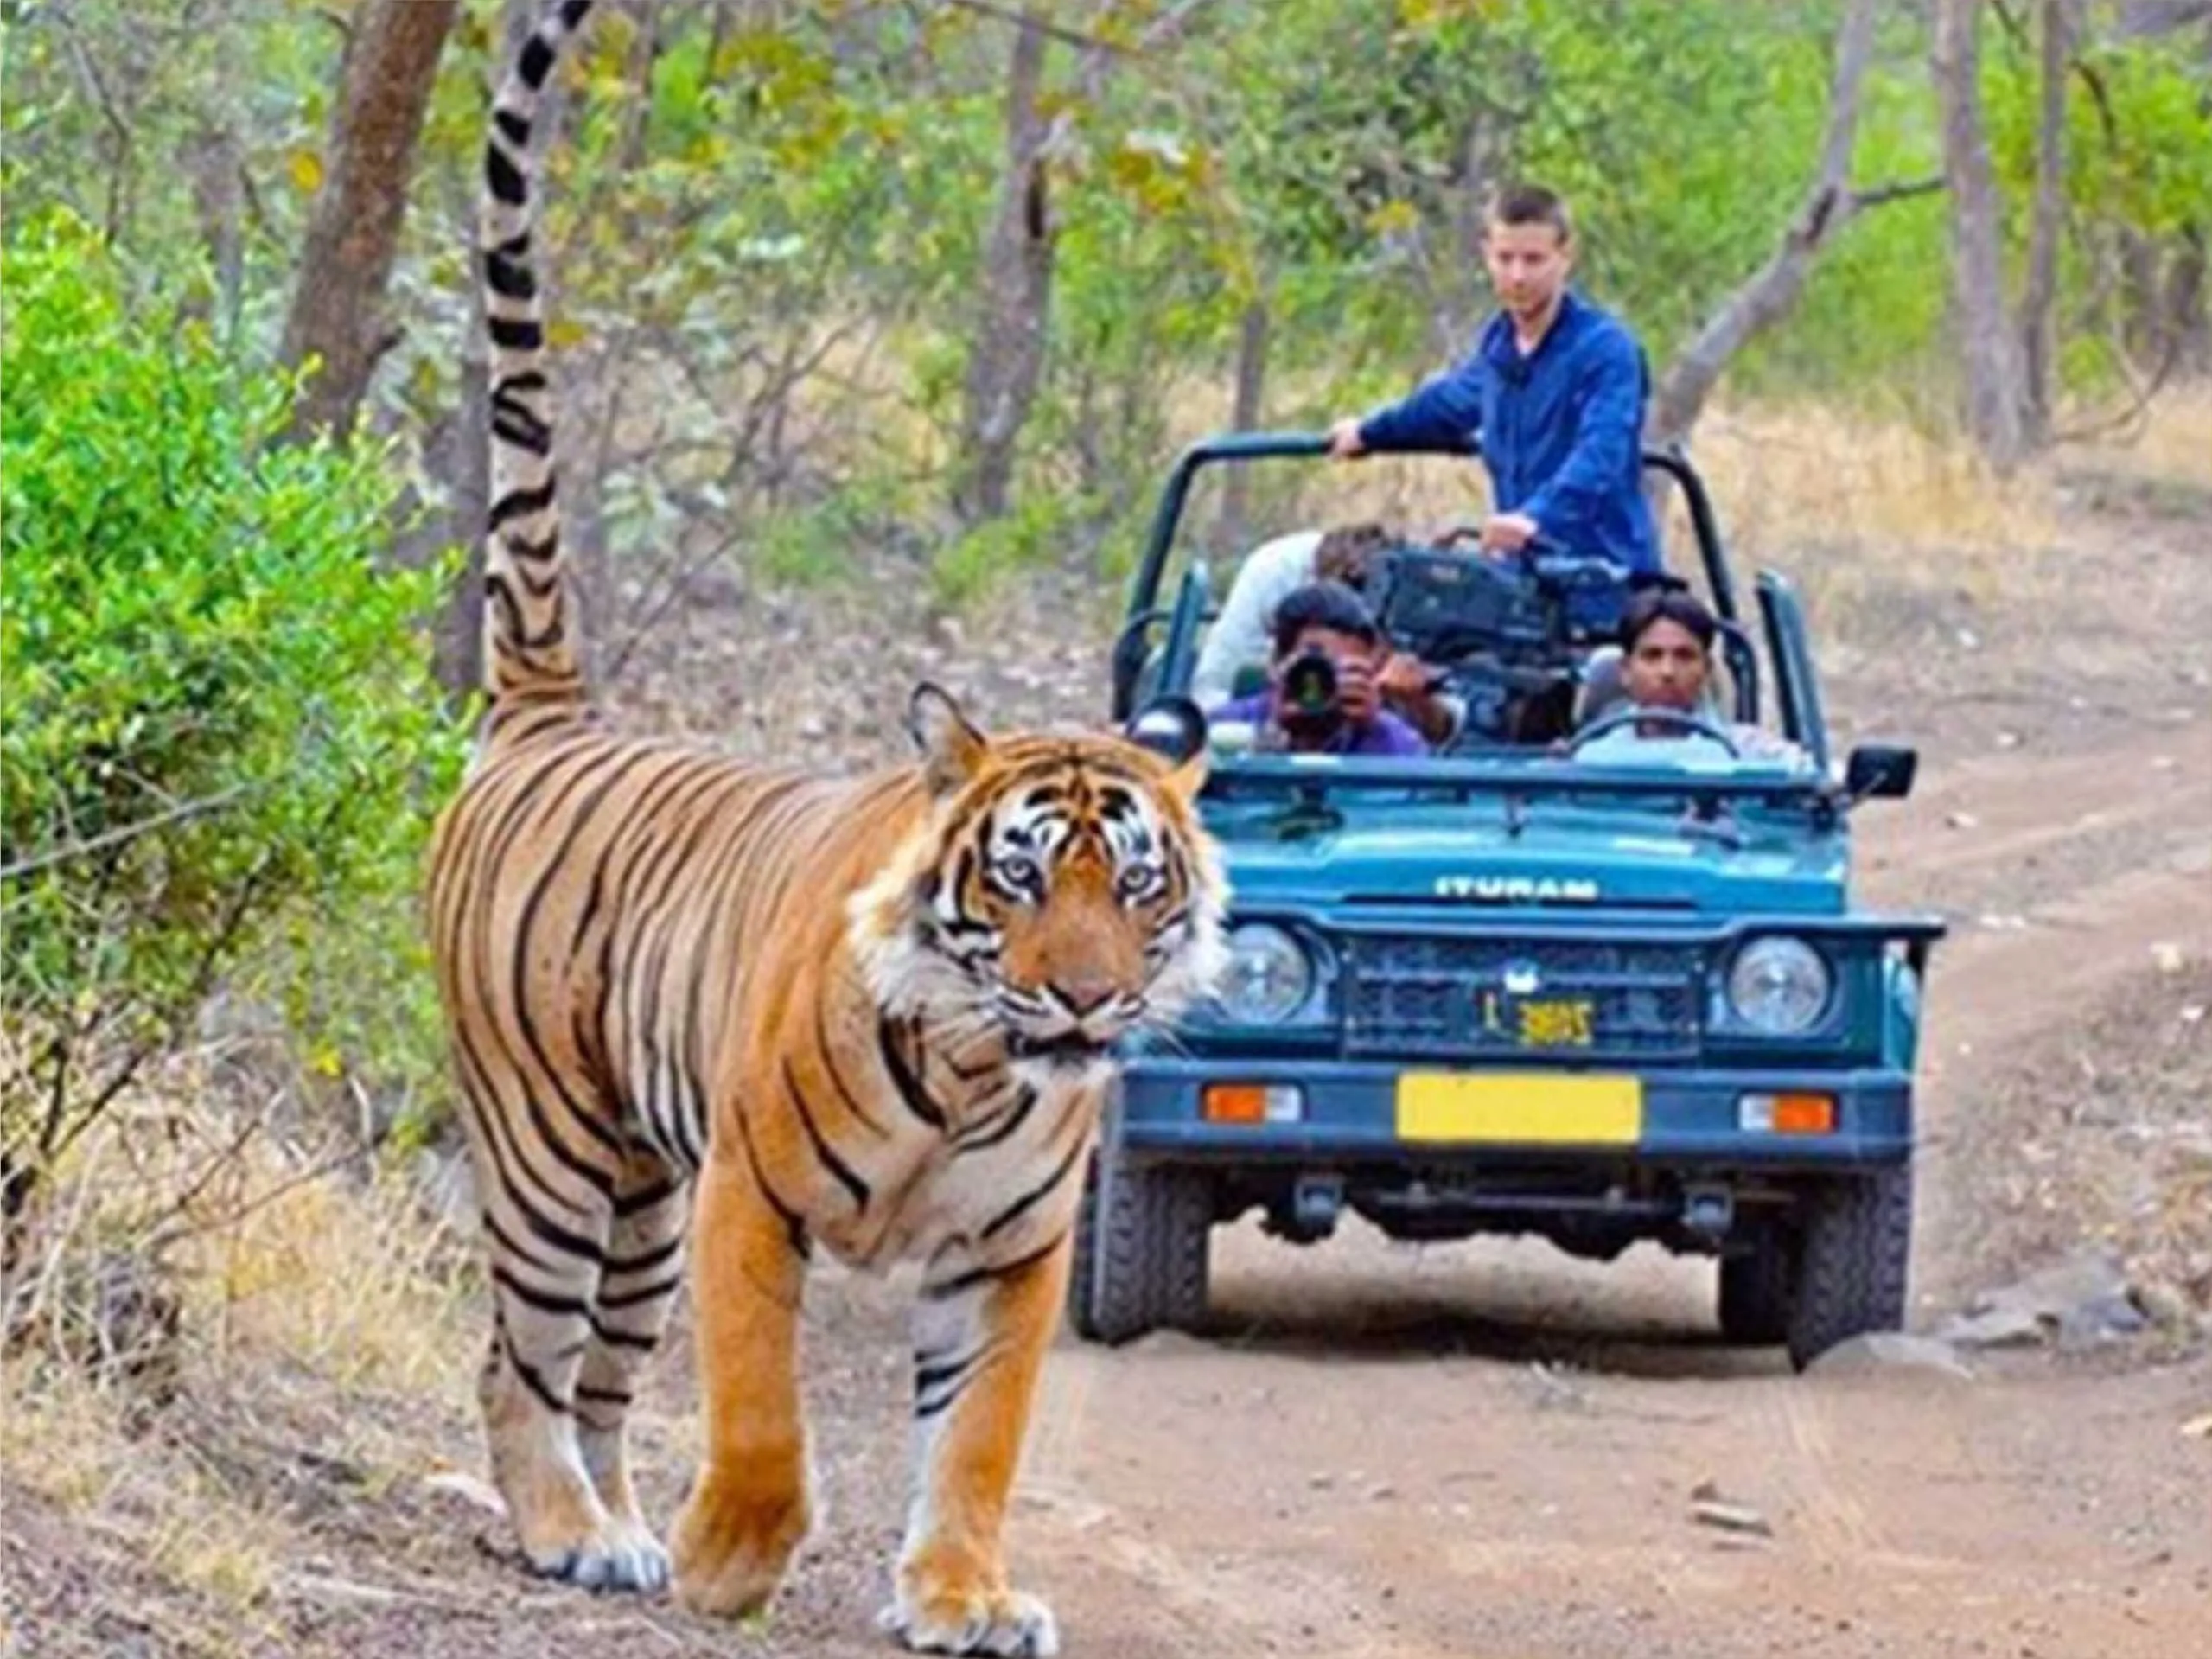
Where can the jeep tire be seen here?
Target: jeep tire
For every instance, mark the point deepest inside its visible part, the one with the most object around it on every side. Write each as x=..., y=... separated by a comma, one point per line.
x=1141, y=1238
x=1757, y=1290
x=1855, y=1256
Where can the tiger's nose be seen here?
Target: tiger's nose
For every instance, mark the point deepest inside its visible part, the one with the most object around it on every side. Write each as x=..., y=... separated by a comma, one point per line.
x=1084, y=995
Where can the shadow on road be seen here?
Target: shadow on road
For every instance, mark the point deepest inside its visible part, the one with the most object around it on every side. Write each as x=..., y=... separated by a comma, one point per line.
x=1644, y=1315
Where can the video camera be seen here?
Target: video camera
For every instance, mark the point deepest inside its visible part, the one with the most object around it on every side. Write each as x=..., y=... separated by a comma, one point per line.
x=1507, y=635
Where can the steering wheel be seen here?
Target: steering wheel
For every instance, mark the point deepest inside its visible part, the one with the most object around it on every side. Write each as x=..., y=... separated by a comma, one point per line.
x=1680, y=719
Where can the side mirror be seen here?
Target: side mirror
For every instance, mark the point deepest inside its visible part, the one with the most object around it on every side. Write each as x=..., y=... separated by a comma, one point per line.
x=1883, y=771
x=1171, y=726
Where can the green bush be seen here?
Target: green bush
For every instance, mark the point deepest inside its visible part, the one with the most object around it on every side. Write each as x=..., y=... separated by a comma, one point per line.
x=222, y=740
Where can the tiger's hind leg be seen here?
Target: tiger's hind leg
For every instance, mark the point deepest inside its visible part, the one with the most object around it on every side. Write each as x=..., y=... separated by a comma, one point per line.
x=547, y=1217
x=637, y=1288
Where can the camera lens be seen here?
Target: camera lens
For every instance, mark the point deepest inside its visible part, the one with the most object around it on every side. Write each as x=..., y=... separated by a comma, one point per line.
x=1310, y=683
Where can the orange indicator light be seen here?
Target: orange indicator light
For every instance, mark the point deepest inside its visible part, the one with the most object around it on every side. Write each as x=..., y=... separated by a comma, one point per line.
x=1787, y=1115
x=1252, y=1103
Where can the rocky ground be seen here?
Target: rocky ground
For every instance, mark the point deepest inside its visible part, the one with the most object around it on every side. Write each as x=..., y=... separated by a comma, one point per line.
x=1482, y=1449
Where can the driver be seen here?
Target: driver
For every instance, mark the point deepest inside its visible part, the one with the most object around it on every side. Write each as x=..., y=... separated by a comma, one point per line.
x=1666, y=640
x=1323, y=695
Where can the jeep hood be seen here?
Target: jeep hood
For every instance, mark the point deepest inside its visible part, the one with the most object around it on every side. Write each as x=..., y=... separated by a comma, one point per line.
x=1549, y=856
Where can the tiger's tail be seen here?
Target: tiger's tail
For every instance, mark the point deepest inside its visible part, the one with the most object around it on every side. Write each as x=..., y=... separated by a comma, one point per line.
x=533, y=667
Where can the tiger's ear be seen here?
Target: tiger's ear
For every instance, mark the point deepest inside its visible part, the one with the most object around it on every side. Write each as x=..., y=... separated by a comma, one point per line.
x=952, y=748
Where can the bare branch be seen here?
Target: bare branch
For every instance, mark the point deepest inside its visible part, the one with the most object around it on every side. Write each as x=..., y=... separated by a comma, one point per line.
x=126, y=832
x=1896, y=190
x=1156, y=34
x=1773, y=291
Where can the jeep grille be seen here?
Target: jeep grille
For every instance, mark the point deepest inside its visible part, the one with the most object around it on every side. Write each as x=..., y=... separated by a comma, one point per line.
x=1478, y=998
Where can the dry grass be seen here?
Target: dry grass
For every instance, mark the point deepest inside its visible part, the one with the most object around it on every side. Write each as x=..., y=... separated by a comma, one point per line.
x=2171, y=445
x=313, y=1318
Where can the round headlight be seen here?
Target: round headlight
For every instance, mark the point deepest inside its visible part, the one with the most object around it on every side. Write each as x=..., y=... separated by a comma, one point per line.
x=1779, y=986
x=1268, y=978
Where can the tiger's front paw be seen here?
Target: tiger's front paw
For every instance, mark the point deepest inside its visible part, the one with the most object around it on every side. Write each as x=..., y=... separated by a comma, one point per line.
x=979, y=1619
x=731, y=1549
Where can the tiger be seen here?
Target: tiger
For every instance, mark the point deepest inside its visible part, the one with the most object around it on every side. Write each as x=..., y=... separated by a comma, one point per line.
x=708, y=1015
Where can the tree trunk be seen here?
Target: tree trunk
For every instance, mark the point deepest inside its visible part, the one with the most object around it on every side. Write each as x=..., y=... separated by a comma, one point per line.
x=384, y=90
x=1989, y=353
x=1773, y=291
x=1244, y=417
x=2039, y=302
x=1006, y=354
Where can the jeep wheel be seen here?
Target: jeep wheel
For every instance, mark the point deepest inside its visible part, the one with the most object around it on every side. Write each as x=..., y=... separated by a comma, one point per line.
x=1855, y=1254
x=1141, y=1238
x=1755, y=1290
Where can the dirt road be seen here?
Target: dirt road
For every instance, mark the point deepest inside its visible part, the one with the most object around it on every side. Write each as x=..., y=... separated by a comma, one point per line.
x=1484, y=1450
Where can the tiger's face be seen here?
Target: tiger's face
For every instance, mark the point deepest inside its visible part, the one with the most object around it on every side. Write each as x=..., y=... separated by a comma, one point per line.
x=1064, y=894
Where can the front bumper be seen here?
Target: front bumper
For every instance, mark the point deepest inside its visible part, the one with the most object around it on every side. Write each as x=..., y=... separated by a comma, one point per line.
x=1690, y=1120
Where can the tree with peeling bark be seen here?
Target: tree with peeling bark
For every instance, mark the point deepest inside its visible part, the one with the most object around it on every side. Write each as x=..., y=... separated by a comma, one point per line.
x=1006, y=352
x=1995, y=384
x=337, y=309
x=1772, y=293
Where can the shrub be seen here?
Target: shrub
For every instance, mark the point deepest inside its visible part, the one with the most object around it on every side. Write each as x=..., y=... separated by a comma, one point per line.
x=222, y=735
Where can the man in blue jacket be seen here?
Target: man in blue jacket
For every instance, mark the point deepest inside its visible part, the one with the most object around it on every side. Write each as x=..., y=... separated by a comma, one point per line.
x=1554, y=390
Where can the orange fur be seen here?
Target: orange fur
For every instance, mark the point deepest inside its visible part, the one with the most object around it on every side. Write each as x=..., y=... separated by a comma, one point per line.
x=697, y=1003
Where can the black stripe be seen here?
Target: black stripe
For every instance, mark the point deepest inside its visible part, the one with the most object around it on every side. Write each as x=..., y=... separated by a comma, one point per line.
x=634, y=1203
x=1035, y=1195
x=1023, y=1105
x=614, y=1301
x=530, y=1379
x=504, y=177
x=960, y=1284
x=522, y=955
x=521, y=1253
x=520, y=503
x=603, y=1396
x=500, y=1136
x=830, y=1068
x=519, y=427
x=857, y=1188
x=902, y=1078
x=573, y=12
x=536, y=62
x=544, y=550
x=792, y=1224
x=625, y=1339
x=516, y=125
x=514, y=333
x=544, y=1301
x=509, y=278
x=946, y=1379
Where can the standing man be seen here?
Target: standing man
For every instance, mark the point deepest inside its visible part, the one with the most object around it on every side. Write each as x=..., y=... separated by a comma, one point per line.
x=1554, y=390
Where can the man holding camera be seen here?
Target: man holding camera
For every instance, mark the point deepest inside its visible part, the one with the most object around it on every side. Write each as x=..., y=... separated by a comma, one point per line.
x=1323, y=695
x=1554, y=390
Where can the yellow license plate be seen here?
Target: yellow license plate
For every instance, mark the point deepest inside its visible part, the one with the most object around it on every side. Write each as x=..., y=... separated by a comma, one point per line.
x=1546, y=1022
x=1498, y=1108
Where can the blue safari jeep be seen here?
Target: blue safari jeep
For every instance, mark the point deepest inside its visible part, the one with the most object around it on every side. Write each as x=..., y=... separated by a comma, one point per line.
x=1507, y=988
